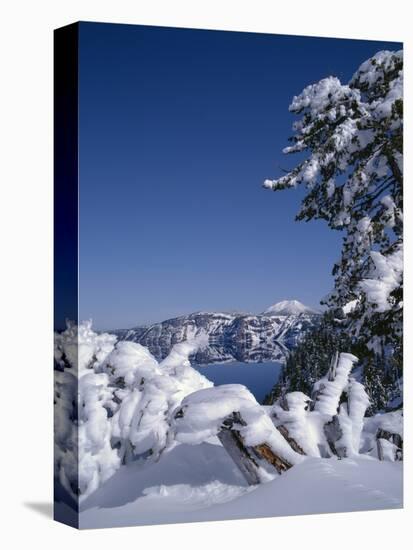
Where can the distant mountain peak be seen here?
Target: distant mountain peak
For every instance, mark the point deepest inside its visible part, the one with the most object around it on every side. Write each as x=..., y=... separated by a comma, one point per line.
x=289, y=307
x=232, y=336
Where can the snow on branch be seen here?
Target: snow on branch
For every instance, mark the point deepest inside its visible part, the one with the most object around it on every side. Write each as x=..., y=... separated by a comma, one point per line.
x=332, y=421
x=328, y=389
x=384, y=278
x=351, y=138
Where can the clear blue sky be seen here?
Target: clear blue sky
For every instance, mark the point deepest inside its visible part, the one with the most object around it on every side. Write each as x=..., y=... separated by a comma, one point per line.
x=178, y=129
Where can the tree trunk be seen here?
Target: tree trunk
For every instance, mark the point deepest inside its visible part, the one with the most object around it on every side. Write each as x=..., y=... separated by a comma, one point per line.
x=396, y=439
x=249, y=459
x=290, y=440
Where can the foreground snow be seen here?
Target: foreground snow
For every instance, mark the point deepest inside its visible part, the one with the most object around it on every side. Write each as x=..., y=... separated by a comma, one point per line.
x=201, y=483
x=157, y=443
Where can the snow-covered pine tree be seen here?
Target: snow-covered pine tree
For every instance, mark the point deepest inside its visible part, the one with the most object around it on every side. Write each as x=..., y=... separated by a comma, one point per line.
x=311, y=358
x=351, y=136
x=377, y=385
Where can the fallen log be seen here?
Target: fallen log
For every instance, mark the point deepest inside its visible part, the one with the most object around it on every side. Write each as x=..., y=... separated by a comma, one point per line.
x=246, y=432
x=249, y=459
x=290, y=440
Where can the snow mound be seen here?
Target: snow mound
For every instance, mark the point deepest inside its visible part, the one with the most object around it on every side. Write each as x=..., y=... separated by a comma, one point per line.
x=289, y=307
x=112, y=403
x=202, y=413
x=190, y=492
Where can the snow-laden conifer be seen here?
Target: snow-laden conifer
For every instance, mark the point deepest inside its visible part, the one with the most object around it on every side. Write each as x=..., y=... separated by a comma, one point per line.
x=350, y=137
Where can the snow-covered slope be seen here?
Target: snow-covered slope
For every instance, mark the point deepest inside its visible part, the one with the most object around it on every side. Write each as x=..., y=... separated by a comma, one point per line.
x=201, y=483
x=232, y=336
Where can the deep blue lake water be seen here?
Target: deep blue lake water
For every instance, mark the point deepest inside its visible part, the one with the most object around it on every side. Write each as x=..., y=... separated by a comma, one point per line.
x=259, y=378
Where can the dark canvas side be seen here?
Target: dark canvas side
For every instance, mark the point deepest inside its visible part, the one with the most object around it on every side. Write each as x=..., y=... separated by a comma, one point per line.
x=66, y=283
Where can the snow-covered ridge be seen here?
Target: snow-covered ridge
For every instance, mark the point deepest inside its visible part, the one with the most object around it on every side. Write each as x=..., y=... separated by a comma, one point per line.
x=231, y=336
